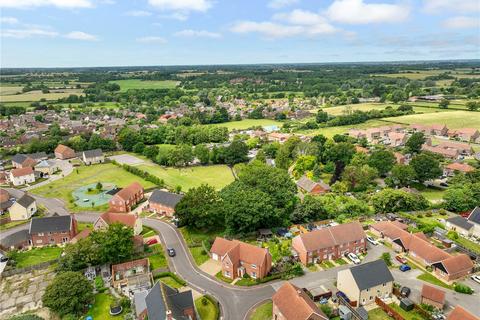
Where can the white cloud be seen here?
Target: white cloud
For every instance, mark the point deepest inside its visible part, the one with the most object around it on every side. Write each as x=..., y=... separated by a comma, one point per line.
x=467, y=6
x=197, y=33
x=181, y=5
x=8, y=20
x=359, y=12
x=138, y=13
x=80, y=35
x=28, y=33
x=63, y=4
x=151, y=39
x=461, y=22
x=277, y=4
x=268, y=29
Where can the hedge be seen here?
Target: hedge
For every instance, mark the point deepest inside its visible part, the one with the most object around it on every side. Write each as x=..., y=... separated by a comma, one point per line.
x=172, y=275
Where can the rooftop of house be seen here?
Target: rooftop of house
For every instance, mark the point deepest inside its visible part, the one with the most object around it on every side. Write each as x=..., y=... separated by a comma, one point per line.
x=371, y=274
x=461, y=222
x=474, y=216
x=25, y=200
x=162, y=298
x=433, y=294
x=238, y=250
x=459, y=313
x=93, y=153
x=62, y=149
x=165, y=198
x=130, y=191
x=122, y=267
x=308, y=185
x=51, y=224
x=122, y=218
x=462, y=167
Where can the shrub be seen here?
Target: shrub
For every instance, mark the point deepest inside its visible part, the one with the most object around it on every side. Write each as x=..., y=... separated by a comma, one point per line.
x=387, y=258
x=428, y=214
x=327, y=310
x=204, y=301
x=463, y=288
x=99, y=284
x=125, y=302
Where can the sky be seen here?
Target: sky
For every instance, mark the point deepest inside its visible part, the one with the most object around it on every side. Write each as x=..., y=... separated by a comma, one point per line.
x=87, y=33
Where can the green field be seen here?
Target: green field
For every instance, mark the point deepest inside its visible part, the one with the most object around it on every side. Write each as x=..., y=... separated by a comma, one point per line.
x=418, y=107
x=422, y=74
x=37, y=95
x=217, y=176
x=106, y=172
x=248, y=123
x=331, y=131
x=453, y=119
x=126, y=85
x=207, y=310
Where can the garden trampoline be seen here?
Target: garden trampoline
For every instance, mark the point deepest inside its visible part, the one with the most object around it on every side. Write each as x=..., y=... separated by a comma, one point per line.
x=89, y=196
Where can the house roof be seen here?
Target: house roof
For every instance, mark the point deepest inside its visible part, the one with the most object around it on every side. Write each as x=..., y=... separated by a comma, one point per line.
x=433, y=294
x=63, y=149
x=156, y=308
x=461, y=222
x=442, y=151
x=4, y=195
x=122, y=218
x=130, y=191
x=139, y=301
x=130, y=264
x=19, y=158
x=308, y=185
x=455, y=145
x=371, y=274
x=25, y=200
x=238, y=250
x=45, y=164
x=422, y=248
x=20, y=172
x=93, y=153
x=457, y=263
x=51, y=224
x=162, y=298
x=165, y=198
x=37, y=155
x=295, y=304
x=462, y=167
x=474, y=216
x=459, y=313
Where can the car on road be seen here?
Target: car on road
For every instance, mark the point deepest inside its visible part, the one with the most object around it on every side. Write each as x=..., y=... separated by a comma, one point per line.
x=353, y=257
x=405, y=267
x=401, y=259
x=372, y=241
x=475, y=278
x=405, y=292
x=171, y=252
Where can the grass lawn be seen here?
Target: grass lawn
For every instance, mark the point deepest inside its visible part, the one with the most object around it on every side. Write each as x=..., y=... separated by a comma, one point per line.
x=326, y=264
x=278, y=250
x=194, y=239
x=340, y=261
x=101, y=308
x=246, y=282
x=126, y=85
x=157, y=260
x=206, y=309
x=217, y=176
x=36, y=256
x=220, y=276
x=468, y=244
x=378, y=314
x=37, y=95
x=427, y=277
x=248, y=123
x=169, y=281
x=331, y=131
x=106, y=172
x=84, y=225
x=407, y=315
x=263, y=312
x=453, y=119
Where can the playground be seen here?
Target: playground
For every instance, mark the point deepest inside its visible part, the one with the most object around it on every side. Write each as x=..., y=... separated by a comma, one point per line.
x=93, y=195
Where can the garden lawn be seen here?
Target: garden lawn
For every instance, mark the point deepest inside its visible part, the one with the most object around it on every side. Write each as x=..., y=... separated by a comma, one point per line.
x=263, y=312
x=249, y=123
x=468, y=244
x=169, y=281
x=194, y=239
x=407, y=315
x=101, y=308
x=378, y=314
x=105, y=172
x=36, y=256
x=157, y=260
x=427, y=277
x=220, y=276
x=126, y=85
x=453, y=119
x=278, y=250
x=218, y=176
x=208, y=311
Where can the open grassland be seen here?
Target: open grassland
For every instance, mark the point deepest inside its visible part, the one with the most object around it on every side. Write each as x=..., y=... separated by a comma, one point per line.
x=8, y=90
x=37, y=95
x=248, y=123
x=218, y=176
x=453, y=119
x=419, y=108
x=126, y=85
x=331, y=131
x=422, y=74
x=84, y=175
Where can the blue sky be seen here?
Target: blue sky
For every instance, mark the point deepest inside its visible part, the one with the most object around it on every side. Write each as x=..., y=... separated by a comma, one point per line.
x=69, y=33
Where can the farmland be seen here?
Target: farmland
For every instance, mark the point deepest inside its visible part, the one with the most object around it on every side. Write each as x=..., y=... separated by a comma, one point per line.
x=453, y=119
x=422, y=74
x=37, y=95
x=419, y=108
x=126, y=85
x=248, y=123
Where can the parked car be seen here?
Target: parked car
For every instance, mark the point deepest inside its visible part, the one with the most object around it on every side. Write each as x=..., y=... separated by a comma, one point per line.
x=353, y=257
x=340, y=294
x=405, y=292
x=171, y=252
x=372, y=241
x=443, y=184
x=475, y=278
x=152, y=241
x=404, y=267
x=401, y=259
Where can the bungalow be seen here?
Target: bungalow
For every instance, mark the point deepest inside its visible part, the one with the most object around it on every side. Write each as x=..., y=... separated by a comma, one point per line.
x=459, y=313
x=452, y=168
x=63, y=152
x=240, y=258
x=47, y=167
x=312, y=187
x=22, y=176
x=364, y=282
x=132, y=275
x=129, y=220
x=433, y=296
x=447, y=153
x=293, y=303
x=463, y=148
x=165, y=302
x=163, y=202
x=330, y=243
x=127, y=198
x=396, y=139
x=93, y=156
x=23, y=209
x=22, y=161
x=52, y=230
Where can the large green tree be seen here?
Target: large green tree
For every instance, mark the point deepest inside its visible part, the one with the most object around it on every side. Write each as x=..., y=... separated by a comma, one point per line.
x=391, y=200
x=358, y=178
x=415, y=142
x=115, y=244
x=426, y=167
x=401, y=176
x=382, y=160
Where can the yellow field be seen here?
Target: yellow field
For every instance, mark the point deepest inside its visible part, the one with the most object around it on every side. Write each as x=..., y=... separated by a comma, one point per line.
x=7, y=90
x=38, y=95
x=453, y=119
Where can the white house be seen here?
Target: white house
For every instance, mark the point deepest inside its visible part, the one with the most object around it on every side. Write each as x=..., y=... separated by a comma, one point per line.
x=93, y=156
x=22, y=176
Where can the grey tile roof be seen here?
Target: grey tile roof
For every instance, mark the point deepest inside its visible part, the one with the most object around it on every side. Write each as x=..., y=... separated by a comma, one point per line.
x=51, y=224
x=25, y=200
x=371, y=274
x=139, y=300
x=93, y=153
x=475, y=215
x=156, y=308
x=15, y=239
x=162, y=298
x=38, y=155
x=165, y=198
x=461, y=222
x=19, y=158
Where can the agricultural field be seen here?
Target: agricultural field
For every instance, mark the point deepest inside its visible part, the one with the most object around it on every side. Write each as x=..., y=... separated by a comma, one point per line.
x=453, y=119
x=84, y=175
x=248, y=123
x=126, y=85
x=331, y=131
x=422, y=74
x=37, y=95
x=217, y=176
x=417, y=107
x=8, y=90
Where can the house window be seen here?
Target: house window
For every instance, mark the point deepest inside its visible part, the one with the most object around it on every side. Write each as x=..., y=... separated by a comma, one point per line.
x=64, y=240
x=40, y=234
x=384, y=284
x=254, y=266
x=371, y=298
x=368, y=289
x=227, y=273
x=254, y=275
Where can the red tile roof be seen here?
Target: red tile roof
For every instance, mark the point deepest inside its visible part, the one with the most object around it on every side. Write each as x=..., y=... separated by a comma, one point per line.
x=63, y=149
x=462, y=167
x=129, y=192
x=22, y=172
x=458, y=263
x=123, y=218
x=238, y=250
x=433, y=294
x=461, y=314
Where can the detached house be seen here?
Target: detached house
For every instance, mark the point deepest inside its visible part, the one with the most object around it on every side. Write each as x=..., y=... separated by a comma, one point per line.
x=22, y=176
x=165, y=302
x=365, y=282
x=240, y=258
x=293, y=303
x=460, y=225
x=47, y=167
x=129, y=220
x=330, y=243
x=312, y=187
x=127, y=198
x=52, y=230
x=23, y=209
x=396, y=139
x=163, y=202
x=93, y=156
x=63, y=152
x=23, y=161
